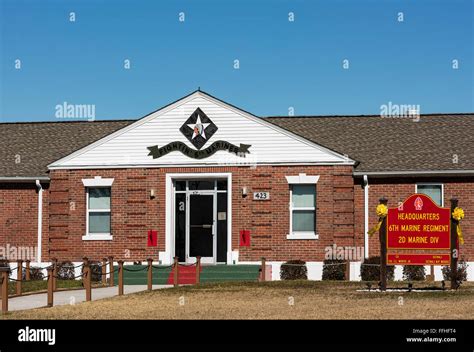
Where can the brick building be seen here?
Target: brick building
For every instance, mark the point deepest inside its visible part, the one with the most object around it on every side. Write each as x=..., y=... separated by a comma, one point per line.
x=202, y=177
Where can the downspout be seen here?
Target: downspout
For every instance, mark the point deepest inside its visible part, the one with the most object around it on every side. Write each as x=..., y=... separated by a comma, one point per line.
x=40, y=219
x=366, y=216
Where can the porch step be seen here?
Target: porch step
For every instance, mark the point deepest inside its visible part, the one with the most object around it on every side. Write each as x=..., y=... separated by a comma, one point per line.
x=187, y=274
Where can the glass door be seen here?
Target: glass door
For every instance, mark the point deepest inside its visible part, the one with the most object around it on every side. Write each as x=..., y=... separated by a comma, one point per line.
x=201, y=230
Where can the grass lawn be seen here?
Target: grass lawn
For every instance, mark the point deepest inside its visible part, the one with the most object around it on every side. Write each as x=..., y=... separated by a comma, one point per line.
x=270, y=300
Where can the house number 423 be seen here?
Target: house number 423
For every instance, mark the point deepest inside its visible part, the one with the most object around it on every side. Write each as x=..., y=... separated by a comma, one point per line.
x=261, y=196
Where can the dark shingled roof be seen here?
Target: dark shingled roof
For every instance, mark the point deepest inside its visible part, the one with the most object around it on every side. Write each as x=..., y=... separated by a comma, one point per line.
x=36, y=145
x=392, y=144
x=379, y=144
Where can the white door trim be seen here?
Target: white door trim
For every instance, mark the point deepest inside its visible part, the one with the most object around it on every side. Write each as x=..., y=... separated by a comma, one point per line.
x=166, y=257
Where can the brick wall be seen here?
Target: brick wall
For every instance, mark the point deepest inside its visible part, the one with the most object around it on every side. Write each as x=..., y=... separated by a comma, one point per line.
x=133, y=212
x=19, y=214
x=398, y=189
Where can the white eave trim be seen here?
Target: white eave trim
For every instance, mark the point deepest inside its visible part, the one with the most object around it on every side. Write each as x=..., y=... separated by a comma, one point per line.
x=302, y=179
x=97, y=181
x=414, y=173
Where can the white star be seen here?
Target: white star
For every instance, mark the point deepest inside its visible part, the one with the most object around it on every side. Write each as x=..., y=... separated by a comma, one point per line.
x=198, y=128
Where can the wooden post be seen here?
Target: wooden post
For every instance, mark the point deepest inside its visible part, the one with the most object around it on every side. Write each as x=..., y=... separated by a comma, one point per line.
x=104, y=271
x=198, y=270
x=111, y=270
x=4, y=271
x=454, y=246
x=55, y=273
x=19, y=276
x=120, y=277
x=348, y=271
x=383, y=249
x=176, y=269
x=27, y=271
x=264, y=271
x=50, y=286
x=150, y=274
x=87, y=279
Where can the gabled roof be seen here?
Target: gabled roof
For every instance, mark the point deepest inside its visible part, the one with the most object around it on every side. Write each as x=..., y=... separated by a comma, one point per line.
x=434, y=143
x=27, y=148
x=270, y=143
x=380, y=145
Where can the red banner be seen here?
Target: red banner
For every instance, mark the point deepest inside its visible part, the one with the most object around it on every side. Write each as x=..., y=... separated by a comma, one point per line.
x=418, y=259
x=418, y=223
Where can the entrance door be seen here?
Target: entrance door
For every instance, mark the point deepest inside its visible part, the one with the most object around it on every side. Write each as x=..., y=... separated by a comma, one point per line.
x=202, y=239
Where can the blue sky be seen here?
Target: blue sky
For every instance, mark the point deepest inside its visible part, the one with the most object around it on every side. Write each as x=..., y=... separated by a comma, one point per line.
x=283, y=64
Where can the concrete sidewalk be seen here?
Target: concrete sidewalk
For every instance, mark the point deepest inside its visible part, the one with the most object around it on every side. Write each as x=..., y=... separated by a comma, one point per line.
x=72, y=296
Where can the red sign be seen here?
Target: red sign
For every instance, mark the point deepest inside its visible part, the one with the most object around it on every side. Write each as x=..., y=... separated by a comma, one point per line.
x=244, y=238
x=418, y=223
x=418, y=259
x=152, y=238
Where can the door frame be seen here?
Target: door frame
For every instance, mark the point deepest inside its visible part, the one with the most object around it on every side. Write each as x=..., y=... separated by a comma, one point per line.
x=204, y=260
x=166, y=256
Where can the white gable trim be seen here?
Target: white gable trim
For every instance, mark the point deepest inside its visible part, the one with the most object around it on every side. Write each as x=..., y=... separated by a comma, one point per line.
x=58, y=163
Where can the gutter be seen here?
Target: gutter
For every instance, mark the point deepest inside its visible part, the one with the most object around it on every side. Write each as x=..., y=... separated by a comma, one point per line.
x=413, y=173
x=24, y=179
x=40, y=219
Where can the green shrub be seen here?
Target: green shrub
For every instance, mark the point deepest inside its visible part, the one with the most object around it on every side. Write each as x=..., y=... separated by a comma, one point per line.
x=96, y=270
x=461, y=273
x=334, y=269
x=372, y=272
x=414, y=273
x=66, y=271
x=36, y=273
x=294, y=270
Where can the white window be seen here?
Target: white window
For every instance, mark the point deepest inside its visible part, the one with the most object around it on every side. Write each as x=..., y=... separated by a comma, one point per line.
x=302, y=207
x=433, y=190
x=98, y=213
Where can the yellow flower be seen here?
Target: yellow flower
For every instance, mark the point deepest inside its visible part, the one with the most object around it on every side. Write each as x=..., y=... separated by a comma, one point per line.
x=382, y=210
x=458, y=214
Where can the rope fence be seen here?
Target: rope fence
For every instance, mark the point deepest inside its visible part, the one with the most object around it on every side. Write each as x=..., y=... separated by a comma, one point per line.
x=108, y=269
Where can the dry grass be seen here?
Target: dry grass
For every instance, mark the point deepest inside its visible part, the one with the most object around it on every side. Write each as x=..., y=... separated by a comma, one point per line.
x=312, y=300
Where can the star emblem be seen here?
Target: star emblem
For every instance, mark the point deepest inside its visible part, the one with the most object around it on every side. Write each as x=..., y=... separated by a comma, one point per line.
x=198, y=128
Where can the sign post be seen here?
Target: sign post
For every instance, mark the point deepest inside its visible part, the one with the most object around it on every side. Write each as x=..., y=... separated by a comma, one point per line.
x=383, y=249
x=453, y=247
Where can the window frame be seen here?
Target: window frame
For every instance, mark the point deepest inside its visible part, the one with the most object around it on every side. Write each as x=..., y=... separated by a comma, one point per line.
x=302, y=180
x=432, y=184
x=97, y=182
